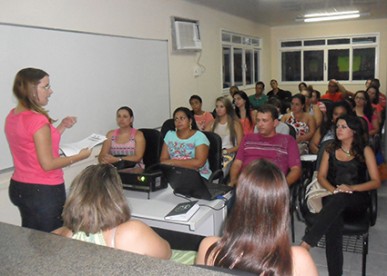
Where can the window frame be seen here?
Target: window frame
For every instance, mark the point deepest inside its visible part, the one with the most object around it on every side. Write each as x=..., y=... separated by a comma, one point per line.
x=351, y=46
x=249, y=45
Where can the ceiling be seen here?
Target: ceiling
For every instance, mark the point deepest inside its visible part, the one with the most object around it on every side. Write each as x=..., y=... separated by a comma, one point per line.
x=284, y=12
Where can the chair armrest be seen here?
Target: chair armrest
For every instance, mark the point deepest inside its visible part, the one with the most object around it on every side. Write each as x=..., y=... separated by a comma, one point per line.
x=373, y=207
x=218, y=174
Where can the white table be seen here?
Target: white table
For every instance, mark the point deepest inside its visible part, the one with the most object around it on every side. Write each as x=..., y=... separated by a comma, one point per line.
x=206, y=221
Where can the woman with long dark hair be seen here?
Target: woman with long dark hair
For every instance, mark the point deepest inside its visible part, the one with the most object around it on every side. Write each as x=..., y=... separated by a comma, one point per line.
x=343, y=171
x=363, y=108
x=244, y=111
x=256, y=234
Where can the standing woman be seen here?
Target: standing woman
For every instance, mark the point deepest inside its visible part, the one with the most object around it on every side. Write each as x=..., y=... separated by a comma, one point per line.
x=244, y=112
x=363, y=108
x=343, y=171
x=37, y=184
x=186, y=146
x=302, y=121
x=125, y=143
x=256, y=233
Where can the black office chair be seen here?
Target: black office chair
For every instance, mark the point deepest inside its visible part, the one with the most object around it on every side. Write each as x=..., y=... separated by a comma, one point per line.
x=215, y=156
x=153, y=146
x=356, y=229
x=167, y=126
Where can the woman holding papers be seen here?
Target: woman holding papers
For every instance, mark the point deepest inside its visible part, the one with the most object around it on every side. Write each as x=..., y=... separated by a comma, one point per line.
x=186, y=146
x=37, y=184
x=97, y=211
x=125, y=143
x=256, y=234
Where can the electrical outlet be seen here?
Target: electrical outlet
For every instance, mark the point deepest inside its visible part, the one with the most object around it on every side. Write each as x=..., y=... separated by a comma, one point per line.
x=197, y=71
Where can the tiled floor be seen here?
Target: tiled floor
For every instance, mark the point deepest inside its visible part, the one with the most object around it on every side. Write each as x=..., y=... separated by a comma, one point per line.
x=377, y=255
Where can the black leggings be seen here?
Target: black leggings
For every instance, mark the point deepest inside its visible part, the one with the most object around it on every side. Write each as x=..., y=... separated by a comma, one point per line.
x=329, y=222
x=40, y=205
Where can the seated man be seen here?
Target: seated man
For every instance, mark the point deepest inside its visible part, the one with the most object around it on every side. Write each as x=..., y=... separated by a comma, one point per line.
x=280, y=149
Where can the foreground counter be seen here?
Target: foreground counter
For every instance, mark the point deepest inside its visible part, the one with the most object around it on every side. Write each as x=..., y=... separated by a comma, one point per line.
x=30, y=252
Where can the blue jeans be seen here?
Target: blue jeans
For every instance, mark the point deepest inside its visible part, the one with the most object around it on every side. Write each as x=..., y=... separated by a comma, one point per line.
x=40, y=205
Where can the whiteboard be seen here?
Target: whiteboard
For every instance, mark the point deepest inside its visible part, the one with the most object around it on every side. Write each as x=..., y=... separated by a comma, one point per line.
x=92, y=75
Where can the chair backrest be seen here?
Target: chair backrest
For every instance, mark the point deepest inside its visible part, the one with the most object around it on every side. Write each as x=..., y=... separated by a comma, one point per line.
x=292, y=131
x=215, y=153
x=167, y=126
x=320, y=152
x=153, y=146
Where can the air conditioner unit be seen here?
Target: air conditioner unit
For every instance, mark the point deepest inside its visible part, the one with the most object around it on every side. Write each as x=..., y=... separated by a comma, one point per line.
x=187, y=36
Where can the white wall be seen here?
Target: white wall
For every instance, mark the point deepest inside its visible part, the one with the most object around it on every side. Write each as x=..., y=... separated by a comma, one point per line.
x=146, y=19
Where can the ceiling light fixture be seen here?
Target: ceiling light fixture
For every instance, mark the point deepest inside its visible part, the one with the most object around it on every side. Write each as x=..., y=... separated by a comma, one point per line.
x=328, y=16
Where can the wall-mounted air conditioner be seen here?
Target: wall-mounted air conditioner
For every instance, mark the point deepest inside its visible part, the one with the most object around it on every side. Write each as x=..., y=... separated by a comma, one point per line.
x=186, y=35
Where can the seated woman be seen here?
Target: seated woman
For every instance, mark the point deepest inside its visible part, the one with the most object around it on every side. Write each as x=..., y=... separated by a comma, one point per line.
x=373, y=93
x=327, y=130
x=228, y=127
x=125, y=143
x=311, y=108
x=202, y=118
x=256, y=233
x=187, y=146
x=302, y=121
x=343, y=171
x=363, y=108
x=97, y=211
x=244, y=112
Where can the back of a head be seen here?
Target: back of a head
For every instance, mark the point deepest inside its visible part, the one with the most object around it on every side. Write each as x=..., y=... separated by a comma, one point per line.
x=96, y=200
x=256, y=235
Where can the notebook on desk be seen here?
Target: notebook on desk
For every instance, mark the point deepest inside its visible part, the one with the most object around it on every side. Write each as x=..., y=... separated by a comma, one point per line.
x=190, y=183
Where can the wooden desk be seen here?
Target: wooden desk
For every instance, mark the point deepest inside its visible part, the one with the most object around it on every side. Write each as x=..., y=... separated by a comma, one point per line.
x=205, y=222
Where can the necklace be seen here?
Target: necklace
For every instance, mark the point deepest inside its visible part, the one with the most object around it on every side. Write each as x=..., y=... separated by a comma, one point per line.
x=347, y=152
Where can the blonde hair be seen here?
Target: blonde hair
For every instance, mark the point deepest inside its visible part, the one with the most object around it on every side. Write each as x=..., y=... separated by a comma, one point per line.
x=231, y=118
x=96, y=201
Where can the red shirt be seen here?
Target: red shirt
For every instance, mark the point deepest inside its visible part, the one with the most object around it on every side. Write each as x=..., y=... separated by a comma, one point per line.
x=335, y=97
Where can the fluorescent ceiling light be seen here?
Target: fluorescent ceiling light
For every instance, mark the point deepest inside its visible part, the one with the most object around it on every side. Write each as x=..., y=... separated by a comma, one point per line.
x=322, y=14
x=328, y=18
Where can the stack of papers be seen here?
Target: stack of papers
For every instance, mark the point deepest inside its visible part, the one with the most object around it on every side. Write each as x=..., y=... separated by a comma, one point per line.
x=89, y=142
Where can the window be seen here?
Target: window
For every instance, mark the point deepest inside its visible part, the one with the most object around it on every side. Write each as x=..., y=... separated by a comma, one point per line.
x=351, y=58
x=241, y=55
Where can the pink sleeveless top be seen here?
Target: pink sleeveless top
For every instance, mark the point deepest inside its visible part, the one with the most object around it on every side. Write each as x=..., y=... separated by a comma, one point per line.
x=128, y=148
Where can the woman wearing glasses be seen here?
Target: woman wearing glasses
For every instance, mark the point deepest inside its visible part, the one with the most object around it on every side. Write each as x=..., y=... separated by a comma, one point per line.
x=363, y=108
x=37, y=184
x=343, y=171
x=186, y=146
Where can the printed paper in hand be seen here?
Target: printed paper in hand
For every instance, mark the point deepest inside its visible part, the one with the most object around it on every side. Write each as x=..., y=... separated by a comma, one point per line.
x=89, y=142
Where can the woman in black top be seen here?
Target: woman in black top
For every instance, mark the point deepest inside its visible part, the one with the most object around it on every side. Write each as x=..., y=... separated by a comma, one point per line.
x=343, y=172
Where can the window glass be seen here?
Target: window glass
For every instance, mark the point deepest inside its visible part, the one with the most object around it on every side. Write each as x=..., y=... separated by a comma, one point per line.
x=314, y=42
x=291, y=43
x=291, y=66
x=236, y=39
x=338, y=41
x=226, y=67
x=249, y=61
x=314, y=65
x=238, y=66
x=338, y=64
x=370, y=39
x=226, y=37
x=363, y=64
x=256, y=66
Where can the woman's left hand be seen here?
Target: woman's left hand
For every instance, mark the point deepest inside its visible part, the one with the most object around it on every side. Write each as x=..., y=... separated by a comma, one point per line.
x=69, y=121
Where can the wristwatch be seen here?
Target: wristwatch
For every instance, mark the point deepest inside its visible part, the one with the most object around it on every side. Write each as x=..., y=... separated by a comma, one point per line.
x=224, y=152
